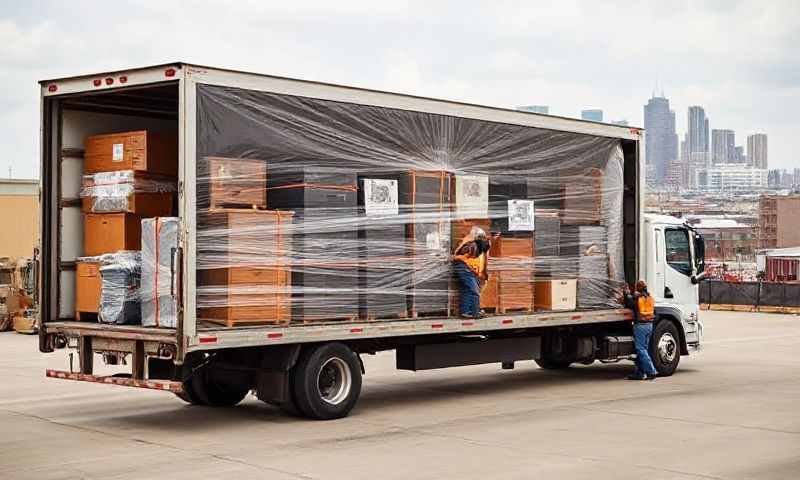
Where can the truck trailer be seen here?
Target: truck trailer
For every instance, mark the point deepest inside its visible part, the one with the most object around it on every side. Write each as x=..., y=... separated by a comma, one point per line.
x=226, y=232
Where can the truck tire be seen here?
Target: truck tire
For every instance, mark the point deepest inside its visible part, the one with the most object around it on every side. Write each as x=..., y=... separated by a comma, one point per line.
x=327, y=381
x=665, y=348
x=552, y=363
x=211, y=389
x=188, y=395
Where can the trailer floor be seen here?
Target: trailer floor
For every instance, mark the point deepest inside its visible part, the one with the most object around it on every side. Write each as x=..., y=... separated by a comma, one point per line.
x=730, y=412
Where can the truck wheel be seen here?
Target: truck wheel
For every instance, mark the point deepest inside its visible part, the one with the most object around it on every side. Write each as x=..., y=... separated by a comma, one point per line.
x=665, y=348
x=188, y=395
x=552, y=363
x=327, y=381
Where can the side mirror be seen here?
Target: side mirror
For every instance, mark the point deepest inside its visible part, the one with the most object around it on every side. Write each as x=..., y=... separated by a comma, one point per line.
x=698, y=278
x=668, y=293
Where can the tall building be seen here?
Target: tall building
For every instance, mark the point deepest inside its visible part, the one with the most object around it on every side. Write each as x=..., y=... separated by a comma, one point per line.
x=732, y=177
x=535, y=109
x=724, y=146
x=757, y=150
x=593, y=115
x=661, y=141
x=697, y=144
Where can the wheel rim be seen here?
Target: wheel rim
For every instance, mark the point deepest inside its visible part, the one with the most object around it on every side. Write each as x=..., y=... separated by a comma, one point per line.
x=334, y=381
x=667, y=348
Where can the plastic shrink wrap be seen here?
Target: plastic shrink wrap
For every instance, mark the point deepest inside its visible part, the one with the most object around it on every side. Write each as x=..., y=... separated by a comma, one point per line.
x=158, y=294
x=312, y=210
x=120, y=279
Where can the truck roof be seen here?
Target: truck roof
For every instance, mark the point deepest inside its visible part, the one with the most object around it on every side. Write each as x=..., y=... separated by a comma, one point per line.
x=625, y=131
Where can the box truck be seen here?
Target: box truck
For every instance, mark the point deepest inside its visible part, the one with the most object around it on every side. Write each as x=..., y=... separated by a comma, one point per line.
x=225, y=232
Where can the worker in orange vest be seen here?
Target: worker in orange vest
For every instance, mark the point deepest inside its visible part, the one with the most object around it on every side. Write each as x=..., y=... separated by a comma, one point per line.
x=643, y=306
x=470, y=264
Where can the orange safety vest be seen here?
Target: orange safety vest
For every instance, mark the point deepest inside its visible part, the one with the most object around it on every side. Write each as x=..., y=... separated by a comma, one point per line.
x=476, y=264
x=647, y=308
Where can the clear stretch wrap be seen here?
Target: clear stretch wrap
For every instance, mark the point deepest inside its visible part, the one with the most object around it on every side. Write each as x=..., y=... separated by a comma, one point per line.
x=313, y=211
x=160, y=241
x=105, y=192
x=120, y=277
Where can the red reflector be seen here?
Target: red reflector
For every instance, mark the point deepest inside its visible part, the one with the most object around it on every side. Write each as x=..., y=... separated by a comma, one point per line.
x=208, y=339
x=109, y=81
x=576, y=317
x=274, y=335
x=123, y=79
x=170, y=72
x=356, y=330
x=52, y=88
x=97, y=82
x=437, y=325
x=467, y=324
x=507, y=321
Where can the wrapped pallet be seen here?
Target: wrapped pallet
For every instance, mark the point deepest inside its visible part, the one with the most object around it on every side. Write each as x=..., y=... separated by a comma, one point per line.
x=120, y=276
x=160, y=241
x=128, y=191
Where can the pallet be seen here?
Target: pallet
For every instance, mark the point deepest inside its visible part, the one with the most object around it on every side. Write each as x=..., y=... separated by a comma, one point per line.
x=395, y=316
x=234, y=323
x=343, y=318
x=430, y=314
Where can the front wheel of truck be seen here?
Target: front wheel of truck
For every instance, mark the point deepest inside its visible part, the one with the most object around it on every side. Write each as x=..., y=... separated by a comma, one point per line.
x=327, y=381
x=665, y=350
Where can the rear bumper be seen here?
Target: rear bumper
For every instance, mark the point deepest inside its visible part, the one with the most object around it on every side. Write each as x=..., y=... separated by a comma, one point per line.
x=163, y=385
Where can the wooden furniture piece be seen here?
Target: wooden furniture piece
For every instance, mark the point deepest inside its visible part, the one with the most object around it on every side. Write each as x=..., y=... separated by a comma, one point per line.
x=111, y=232
x=231, y=182
x=583, y=199
x=247, y=280
x=140, y=150
x=87, y=290
x=556, y=294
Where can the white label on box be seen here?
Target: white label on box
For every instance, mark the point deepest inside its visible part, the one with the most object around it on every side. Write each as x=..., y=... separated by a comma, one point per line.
x=520, y=216
x=380, y=197
x=118, y=152
x=433, y=240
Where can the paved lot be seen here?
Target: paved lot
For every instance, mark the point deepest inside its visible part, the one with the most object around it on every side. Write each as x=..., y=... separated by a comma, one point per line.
x=731, y=412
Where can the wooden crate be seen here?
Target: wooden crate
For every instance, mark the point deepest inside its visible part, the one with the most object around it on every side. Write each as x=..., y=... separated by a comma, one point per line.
x=505, y=246
x=460, y=228
x=248, y=282
x=140, y=150
x=232, y=182
x=245, y=295
x=111, y=232
x=583, y=199
x=87, y=289
x=556, y=294
x=509, y=290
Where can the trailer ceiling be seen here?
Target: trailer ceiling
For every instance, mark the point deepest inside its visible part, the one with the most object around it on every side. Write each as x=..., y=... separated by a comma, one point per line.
x=159, y=101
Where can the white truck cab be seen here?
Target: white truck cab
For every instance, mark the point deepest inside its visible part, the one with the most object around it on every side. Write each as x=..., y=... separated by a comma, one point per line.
x=673, y=264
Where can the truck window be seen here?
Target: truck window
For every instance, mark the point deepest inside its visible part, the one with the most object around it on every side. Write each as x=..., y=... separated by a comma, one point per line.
x=678, y=253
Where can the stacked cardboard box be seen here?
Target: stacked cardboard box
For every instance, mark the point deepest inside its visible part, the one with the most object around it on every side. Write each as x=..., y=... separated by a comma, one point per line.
x=324, y=248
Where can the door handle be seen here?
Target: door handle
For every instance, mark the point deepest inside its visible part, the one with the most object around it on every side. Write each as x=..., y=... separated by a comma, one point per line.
x=668, y=293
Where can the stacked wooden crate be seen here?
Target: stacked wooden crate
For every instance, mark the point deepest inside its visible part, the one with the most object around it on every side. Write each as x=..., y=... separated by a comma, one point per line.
x=114, y=201
x=511, y=282
x=243, y=249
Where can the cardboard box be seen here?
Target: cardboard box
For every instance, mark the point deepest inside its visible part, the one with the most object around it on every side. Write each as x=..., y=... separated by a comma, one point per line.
x=556, y=294
x=138, y=150
x=111, y=232
x=87, y=288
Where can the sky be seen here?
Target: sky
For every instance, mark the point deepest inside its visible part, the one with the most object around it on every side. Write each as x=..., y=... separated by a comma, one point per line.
x=738, y=59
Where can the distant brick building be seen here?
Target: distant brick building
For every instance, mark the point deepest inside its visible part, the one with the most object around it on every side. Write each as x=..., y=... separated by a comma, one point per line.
x=779, y=221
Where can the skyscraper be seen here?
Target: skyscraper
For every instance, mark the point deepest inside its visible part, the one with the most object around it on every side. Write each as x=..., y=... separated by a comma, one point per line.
x=757, y=150
x=594, y=115
x=661, y=141
x=535, y=109
x=697, y=144
x=740, y=156
x=724, y=146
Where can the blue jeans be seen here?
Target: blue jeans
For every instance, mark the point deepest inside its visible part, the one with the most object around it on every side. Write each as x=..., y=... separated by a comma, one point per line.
x=641, y=341
x=470, y=289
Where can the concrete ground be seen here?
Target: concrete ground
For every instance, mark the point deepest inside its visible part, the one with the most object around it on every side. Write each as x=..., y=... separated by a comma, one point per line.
x=730, y=412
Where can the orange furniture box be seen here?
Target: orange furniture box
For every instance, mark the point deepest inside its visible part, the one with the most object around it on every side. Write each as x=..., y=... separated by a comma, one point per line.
x=87, y=288
x=140, y=150
x=111, y=232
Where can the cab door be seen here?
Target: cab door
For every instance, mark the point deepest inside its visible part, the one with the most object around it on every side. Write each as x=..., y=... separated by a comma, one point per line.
x=679, y=269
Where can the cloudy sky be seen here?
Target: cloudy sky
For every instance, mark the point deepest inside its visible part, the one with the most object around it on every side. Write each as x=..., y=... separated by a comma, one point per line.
x=739, y=59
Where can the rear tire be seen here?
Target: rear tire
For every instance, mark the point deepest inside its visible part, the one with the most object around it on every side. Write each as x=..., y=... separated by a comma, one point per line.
x=327, y=381
x=553, y=364
x=213, y=390
x=665, y=350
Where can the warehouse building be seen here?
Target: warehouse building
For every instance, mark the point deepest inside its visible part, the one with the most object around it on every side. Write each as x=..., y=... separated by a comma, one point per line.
x=778, y=218
x=19, y=207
